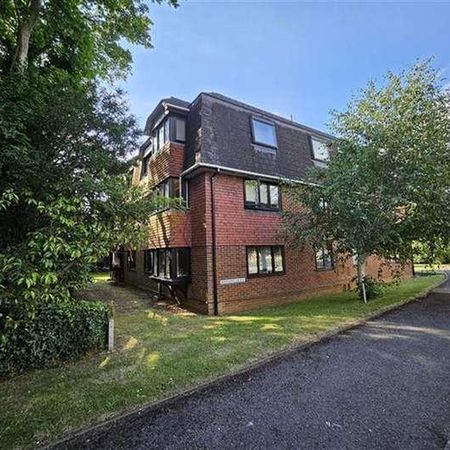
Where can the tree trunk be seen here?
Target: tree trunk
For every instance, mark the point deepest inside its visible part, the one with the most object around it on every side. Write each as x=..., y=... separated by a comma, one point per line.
x=24, y=34
x=360, y=271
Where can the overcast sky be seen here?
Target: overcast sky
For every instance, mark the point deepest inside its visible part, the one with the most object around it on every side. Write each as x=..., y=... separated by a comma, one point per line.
x=288, y=57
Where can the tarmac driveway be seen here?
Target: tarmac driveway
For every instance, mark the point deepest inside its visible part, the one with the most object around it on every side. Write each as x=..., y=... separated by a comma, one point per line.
x=384, y=385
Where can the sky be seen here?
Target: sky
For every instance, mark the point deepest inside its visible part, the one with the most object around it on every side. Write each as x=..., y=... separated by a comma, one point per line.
x=292, y=58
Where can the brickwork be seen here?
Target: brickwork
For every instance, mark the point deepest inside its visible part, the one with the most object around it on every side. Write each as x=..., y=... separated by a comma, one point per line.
x=167, y=162
x=170, y=228
x=218, y=133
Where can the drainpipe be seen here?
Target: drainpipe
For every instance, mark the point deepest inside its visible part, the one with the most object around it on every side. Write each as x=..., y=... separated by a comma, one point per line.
x=213, y=238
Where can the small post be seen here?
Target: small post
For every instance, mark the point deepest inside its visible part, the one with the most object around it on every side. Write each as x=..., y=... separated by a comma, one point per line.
x=364, y=291
x=111, y=334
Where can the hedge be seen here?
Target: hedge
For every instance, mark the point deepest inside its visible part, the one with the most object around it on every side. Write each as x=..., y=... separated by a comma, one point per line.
x=58, y=331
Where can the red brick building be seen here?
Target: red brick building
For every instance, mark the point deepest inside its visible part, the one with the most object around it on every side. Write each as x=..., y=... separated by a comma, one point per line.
x=224, y=252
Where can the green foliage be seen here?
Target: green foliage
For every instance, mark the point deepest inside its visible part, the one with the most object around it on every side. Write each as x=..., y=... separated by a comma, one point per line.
x=65, y=198
x=431, y=253
x=83, y=37
x=60, y=330
x=387, y=182
x=372, y=288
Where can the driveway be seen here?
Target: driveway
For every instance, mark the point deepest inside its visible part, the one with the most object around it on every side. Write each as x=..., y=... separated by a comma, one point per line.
x=383, y=385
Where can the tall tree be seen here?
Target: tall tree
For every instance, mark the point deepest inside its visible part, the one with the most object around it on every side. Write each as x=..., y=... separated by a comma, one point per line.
x=65, y=200
x=387, y=183
x=84, y=37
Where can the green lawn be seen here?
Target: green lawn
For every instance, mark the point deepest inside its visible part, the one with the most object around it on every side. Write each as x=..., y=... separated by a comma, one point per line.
x=159, y=352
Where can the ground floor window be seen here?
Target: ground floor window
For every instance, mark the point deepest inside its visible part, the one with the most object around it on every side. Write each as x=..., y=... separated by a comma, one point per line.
x=131, y=259
x=265, y=260
x=324, y=259
x=169, y=263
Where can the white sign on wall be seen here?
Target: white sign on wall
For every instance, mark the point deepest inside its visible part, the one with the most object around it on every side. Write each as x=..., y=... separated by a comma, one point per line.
x=232, y=281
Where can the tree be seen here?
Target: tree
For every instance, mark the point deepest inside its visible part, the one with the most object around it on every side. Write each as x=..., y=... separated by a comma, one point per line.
x=387, y=182
x=65, y=198
x=83, y=37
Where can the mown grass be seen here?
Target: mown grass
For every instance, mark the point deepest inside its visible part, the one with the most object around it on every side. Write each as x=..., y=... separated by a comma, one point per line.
x=159, y=353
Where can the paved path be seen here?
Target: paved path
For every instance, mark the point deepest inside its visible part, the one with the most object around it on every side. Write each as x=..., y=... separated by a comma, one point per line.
x=385, y=385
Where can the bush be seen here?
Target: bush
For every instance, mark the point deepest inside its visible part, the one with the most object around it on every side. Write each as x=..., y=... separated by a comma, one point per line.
x=58, y=331
x=373, y=288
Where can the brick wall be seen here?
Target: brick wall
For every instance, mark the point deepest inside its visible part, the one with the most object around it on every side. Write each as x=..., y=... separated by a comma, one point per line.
x=236, y=228
x=168, y=162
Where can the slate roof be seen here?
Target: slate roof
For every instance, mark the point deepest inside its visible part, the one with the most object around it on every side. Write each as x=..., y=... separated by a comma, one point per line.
x=219, y=132
x=226, y=140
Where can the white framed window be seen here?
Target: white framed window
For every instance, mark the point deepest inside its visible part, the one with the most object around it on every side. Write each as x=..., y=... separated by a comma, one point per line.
x=320, y=150
x=264, y=133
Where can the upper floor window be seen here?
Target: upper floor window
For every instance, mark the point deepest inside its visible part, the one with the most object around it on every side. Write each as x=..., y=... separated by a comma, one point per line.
x=324, y=259
x=144, y=167
x=265, y=260
x=261, y=195
x=264, y=133
x=179, y=129
x=170, y=188
x=320, y=150
x=160, y=135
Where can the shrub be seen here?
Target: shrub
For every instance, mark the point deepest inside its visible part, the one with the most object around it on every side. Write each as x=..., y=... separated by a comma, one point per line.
x=57, y=331
x=373, y=288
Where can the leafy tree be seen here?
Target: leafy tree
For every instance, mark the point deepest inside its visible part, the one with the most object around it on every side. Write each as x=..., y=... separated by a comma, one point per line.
x=65, y=198
x=387, y=182
x=83, y=37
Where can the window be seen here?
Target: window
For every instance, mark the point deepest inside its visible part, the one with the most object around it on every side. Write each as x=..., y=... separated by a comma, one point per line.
x=182, y=262
x=265, y=260
x=179, y=129
x=164, y=260
x=324, y=259
x=160, y=135
x=261, y=195
x=144, y=167
x=131, y=259
x=169, y=188
x=149, y=261
x=320, y=150
x=168, y=263
x=264, y=133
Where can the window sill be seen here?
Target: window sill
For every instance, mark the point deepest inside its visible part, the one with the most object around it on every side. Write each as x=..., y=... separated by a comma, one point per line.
x=256, y=208
x=265, y=149
x=172, y=281
x=324, y=269
x=265, y=275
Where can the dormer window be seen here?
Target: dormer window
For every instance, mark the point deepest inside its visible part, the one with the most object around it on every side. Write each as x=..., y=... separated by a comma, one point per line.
x=264, y=133
x=320, y=150
x=179, y=129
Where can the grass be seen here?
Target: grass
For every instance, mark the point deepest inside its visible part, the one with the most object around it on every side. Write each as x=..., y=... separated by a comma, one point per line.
x=159, y=353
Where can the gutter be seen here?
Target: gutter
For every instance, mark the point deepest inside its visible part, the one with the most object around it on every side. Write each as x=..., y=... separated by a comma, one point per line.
x=213, y=243
x=231, y=170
